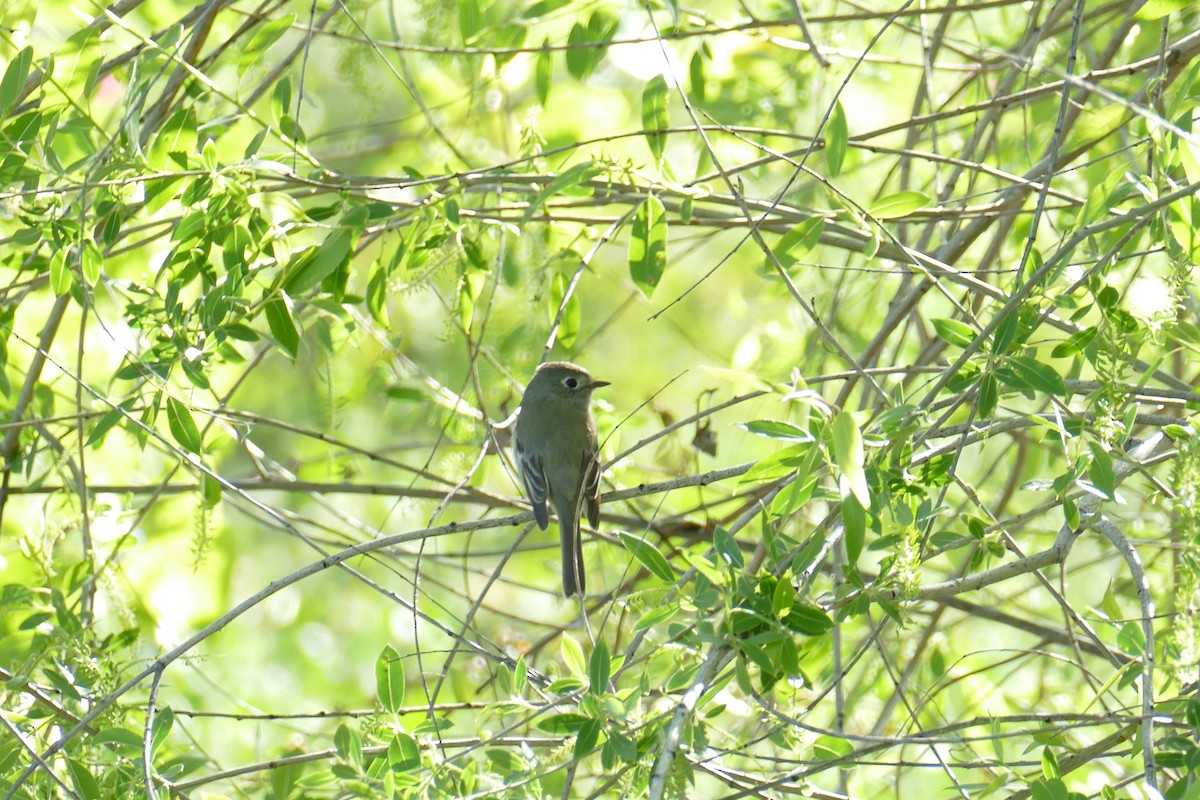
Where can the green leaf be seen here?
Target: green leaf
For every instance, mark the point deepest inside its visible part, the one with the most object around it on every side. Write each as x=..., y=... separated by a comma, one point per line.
x=567, y=723
x=1157, y=9
x=1075, y=343
x=1192, y=713
x=164, y=720
x=568, y=327
x=314, y=265
x=796, y=243
x=470, y=19
x=1100, y=471
x=854, y=517
x=183, y=427
x=654, y=114
x=782, y=599
x=828, y=747
x=897, y=205
x=1132, y=639
x=572, y=654
x=696, y=81
x=989, y=394
x=377, y=292
x=542, y=8
x=781, y=463
x=807, y=619
x=1050, y=764
x=651, y=559
x=837, y=138
x=648, y=245
x=1071, y=513
x=588, y=44
x=1099, y=200
x=543, y=72
x=586, y=739
x=656, y=616
x=122, y=737
x=1052, y=789
x=389, y=679
x=14, y=79
x=773, y=429
x=1041, y=377
x=598, y=667
x=561, y=183
x=1005, y=334
x=278, y=311
x=266, y=36
x=210, y=490
x=403, y=754
x=85, y=784
x=61, y=278
x=848, y=455
x=727, y=548
x=89, y=263
x=953, y=331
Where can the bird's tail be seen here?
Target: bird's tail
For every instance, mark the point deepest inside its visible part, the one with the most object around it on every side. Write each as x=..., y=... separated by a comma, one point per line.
x=572, y=558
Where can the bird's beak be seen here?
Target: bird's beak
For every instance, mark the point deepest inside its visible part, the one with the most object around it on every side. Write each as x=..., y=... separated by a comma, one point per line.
x=595, y=384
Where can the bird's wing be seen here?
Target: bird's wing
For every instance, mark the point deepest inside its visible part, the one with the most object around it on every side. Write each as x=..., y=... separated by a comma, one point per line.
x=534, y=478
x=591, y=486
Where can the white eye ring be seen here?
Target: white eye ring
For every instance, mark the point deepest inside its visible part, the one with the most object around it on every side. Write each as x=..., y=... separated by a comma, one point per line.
x=571, y=383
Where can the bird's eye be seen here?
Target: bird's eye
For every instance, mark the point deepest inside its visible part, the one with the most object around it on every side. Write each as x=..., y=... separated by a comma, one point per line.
x=571, y=383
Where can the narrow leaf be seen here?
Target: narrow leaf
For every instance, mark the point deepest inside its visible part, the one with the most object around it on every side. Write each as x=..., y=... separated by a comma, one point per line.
x=543, y=72
x=599, y=666
x=586, y=739
x=650, y=557
x=848, y=455
x=313, y=266
x=953, y=331
x=470, y=19
x=854, y=517
x=989, y=395
x=654, y=114
x=183, y=427
x=263, y=39
x=837, y=137
x=727, y=548
x=60, y=271
x=648, y=245
x=389, y=679
x=562, y=182
x=1100, y=471
x=278, y=311
x=796, y=243
x=1040, y=376
x=773, y=429
x=900, y=204
x=14, y=79
x=572, y=654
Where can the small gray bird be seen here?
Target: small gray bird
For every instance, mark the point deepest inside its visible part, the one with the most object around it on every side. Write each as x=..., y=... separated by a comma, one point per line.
x=555, y=448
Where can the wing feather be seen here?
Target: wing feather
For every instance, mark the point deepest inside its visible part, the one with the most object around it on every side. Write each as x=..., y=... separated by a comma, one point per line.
x=534, y=477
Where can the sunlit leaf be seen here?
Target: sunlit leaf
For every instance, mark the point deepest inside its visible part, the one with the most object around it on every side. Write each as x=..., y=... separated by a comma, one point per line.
x=849, y=456
x=15, y=76
x=183, y=427
x=389, y=679
x=898, y=205
x=650, y=558
x=837, y=139
x=648, y=245
x=654, y=114
x=267, y=34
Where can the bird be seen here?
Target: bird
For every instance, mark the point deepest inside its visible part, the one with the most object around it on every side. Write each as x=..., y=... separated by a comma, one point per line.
x=558, y=458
